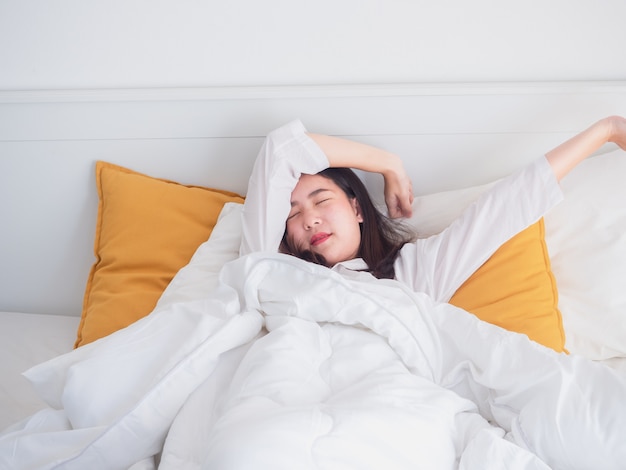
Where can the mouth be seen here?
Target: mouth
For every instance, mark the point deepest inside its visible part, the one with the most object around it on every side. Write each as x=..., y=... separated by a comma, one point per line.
x=319, y=238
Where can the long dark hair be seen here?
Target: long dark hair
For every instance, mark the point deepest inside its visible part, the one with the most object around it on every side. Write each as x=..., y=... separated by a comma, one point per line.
x=381, y=237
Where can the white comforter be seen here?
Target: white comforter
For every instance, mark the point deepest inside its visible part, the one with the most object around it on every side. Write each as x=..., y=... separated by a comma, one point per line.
x=289, y=365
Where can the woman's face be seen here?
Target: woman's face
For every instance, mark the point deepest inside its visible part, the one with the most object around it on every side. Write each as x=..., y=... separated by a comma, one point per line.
x=324, y=220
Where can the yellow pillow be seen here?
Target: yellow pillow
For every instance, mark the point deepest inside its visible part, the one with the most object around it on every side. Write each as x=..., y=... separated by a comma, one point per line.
x=515, y=289
x=147, y=229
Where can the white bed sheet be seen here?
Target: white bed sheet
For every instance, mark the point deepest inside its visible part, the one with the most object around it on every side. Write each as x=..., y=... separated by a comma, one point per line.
x=25, y=340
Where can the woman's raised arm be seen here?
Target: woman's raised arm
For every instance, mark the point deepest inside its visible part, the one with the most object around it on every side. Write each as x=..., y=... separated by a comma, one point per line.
x=571, y=152
x=287, y=152
x=350, y=154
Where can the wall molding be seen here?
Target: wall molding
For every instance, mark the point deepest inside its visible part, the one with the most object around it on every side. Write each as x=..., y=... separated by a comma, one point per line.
x=312, y=91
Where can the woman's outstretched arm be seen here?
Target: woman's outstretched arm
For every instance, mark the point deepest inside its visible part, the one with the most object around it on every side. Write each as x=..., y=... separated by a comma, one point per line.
x=350, y=154
x=571, y=152
x=398, y=190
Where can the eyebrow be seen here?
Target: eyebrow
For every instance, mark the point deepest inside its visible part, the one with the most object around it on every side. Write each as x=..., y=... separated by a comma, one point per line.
x=311, y=194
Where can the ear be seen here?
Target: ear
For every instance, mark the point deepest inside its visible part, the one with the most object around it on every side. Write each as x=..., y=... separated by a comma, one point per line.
x=357, y=209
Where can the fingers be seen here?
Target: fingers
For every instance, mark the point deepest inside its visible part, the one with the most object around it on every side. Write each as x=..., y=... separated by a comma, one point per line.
x=402, y=212
x=405, y=206
x=399, y=194
x=400, y=206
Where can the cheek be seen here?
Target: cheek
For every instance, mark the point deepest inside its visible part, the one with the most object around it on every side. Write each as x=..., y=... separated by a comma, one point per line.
x=293, y=231
x=346, y=217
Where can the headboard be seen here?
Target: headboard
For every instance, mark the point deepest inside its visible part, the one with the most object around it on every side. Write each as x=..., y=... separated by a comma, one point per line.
x=450, y=136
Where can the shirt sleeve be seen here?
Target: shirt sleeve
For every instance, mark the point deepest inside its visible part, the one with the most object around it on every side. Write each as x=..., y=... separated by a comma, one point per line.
x=440, y=264
x=287, y=153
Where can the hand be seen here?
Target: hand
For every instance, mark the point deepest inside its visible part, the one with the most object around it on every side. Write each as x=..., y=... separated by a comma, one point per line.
x=617, y=133
x=398, y=193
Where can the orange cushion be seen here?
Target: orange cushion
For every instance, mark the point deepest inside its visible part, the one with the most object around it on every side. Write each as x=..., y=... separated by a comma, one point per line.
x=515, y=289
x=147, y=229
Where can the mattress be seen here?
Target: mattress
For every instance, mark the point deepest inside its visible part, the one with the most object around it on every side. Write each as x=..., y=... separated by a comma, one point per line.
x=26, y=340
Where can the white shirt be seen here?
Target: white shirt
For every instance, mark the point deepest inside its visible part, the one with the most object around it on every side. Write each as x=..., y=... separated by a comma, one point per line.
x=437, y=265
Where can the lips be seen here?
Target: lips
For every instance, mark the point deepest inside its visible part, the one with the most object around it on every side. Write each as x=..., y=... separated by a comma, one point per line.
x=319, y=238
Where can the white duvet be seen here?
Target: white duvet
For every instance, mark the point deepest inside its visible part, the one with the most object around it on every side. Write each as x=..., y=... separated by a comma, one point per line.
x=288, y=365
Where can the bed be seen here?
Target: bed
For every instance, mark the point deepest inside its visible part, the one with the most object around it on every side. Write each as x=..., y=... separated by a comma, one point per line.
x=151, y=182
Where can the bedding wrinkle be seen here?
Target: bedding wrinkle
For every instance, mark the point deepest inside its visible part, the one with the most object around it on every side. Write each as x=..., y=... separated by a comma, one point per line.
x=295, y=376
x=314, y=284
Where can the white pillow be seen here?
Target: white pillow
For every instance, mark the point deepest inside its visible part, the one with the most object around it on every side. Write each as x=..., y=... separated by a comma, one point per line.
x=434, y=212
x=586, y=238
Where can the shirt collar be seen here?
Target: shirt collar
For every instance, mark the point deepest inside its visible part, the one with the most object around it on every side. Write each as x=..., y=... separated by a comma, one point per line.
x=353, y=269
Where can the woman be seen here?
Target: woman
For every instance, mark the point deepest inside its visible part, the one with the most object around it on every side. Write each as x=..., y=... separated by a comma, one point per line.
x=301, y=201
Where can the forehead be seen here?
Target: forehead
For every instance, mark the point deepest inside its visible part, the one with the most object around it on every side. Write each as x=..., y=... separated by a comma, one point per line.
x=310, y=185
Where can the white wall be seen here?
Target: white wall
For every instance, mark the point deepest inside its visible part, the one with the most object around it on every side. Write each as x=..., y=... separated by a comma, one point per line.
x=48, y=44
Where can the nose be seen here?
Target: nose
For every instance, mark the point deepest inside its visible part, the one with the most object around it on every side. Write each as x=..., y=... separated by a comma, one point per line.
x=310, y=219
